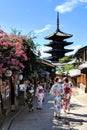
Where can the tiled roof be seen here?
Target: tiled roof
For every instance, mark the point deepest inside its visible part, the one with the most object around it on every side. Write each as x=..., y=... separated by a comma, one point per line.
x=60, y=34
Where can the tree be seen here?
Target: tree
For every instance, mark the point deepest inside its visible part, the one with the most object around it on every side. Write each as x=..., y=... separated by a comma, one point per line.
x=66, y=59
x=65, y=67
x=12, y=56
x=30, y=47
x=11, y=51
x=30, y=50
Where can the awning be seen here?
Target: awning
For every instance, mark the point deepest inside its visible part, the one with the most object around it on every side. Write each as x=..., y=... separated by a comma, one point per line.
x=83, y=66
x=74, y=72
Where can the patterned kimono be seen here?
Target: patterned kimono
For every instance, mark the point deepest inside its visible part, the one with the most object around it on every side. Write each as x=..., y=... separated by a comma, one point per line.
x=30, y=95
x=57, y=91
x=40, y=95
x=67, y=96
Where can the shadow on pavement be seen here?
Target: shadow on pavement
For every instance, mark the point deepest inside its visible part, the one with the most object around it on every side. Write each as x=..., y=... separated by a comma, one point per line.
x=67, y=123
x=74, y=105
x=80, y=115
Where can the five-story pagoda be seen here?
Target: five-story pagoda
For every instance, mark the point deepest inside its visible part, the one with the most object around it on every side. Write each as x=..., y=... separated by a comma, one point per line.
x=58, y=43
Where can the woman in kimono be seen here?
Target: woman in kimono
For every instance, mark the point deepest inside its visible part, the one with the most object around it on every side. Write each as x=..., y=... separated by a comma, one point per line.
x=57, y=91
x=30, y=95
x=40, y=95
x=67, y=95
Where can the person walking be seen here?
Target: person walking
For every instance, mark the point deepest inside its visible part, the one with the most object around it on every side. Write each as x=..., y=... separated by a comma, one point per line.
x=21, y=93
x=30, y=95
x=40, y=95
x=67, y=95
x=57, y=91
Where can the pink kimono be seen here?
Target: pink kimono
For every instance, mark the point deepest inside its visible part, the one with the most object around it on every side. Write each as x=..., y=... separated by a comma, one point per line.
x=67, y=97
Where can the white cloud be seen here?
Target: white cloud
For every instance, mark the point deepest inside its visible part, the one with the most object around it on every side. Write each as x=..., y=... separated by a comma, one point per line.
x=47, y=27
x=42, y=49
x=84, y=1
x=75, y=49
x=69, y=5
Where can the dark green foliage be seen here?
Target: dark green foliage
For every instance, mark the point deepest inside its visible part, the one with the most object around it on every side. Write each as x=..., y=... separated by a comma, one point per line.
x=31, y=63
x=66, y=59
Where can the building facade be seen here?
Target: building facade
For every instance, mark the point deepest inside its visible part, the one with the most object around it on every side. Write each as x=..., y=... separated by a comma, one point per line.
x=81, y=61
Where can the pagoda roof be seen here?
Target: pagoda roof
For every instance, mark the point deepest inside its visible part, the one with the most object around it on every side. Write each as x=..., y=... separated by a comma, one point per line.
x=58, y=33
x=64, y=43
x=53, y=58
x=59, y=50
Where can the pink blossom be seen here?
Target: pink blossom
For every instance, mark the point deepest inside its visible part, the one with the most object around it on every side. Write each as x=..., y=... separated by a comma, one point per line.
x=11, y=53
x=7, y=58
x=7, y=43
x=13, y=49
x=21, y=65
x=14, y=38
x=25, y=57
x=14, y=62
x=1, y=40
x=19, y=53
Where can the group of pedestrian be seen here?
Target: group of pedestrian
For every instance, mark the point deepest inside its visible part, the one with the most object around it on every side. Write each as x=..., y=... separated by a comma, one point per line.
x=25, y=93
x=39, y=95
x=61, y=90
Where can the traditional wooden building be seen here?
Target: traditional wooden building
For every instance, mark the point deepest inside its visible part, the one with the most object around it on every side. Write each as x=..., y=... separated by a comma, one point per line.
x=81, y=61
x=48, y=68
x=58, y=43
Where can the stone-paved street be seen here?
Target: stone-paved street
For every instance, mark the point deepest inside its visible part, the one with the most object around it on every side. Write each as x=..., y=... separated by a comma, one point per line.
x=44, y=120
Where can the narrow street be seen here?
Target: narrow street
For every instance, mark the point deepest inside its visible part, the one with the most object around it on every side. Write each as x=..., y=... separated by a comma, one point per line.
x=44, y=120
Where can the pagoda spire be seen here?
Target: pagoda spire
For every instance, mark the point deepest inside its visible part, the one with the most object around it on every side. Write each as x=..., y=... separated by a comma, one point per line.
x=57, y=21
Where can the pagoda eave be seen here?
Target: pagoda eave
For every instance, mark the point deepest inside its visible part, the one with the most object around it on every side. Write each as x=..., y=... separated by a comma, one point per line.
x=53, y=58
x=58, y=34
x=69, y=50
x=59, y=43
x=60, y=51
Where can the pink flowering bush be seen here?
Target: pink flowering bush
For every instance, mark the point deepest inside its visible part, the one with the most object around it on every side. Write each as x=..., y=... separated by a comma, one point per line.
x=12, y=51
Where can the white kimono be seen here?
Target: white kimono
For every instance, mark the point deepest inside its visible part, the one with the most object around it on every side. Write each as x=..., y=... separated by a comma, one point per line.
x=40, y=95
x=57, y=91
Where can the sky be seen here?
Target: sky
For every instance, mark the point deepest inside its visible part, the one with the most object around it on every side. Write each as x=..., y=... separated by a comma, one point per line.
x=40, y=17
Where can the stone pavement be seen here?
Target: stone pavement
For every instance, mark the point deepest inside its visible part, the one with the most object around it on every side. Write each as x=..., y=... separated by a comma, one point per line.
x=80, y=109
x=44, y=120
x=2, y=119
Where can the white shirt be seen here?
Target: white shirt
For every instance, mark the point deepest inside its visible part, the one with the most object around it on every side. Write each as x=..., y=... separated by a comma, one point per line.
x=22, y=87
